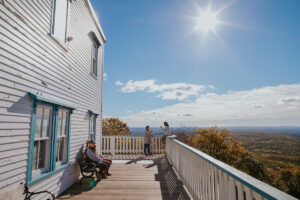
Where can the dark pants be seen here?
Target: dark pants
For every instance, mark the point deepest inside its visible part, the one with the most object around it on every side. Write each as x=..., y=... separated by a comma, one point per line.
x=108, y=162
x=103, y=167
x=147, y=146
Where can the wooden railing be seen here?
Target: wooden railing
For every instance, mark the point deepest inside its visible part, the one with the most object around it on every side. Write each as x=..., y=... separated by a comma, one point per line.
x=129, y=145
x=208, y=178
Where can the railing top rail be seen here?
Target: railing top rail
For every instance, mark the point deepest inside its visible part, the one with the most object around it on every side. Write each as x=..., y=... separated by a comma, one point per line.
x=258, y=186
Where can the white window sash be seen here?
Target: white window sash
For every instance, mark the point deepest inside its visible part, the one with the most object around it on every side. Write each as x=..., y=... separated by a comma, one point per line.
x=59, y=26
x=64, y=136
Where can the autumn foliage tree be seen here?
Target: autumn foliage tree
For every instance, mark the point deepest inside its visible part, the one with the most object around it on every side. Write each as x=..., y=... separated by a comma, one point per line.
x=220, y=144
x=114, y=126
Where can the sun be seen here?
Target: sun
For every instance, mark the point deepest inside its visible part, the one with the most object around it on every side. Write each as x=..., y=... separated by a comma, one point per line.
x=206, y=21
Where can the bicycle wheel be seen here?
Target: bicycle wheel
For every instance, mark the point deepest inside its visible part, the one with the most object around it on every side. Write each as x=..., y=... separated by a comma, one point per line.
x=44, y=195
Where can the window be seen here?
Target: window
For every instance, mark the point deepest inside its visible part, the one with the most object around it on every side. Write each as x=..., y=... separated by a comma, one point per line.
x=92, y=125
x=92, y=128
x=60, y=20
x=95, y=46
x=62, y=137
x=42, y=138
x=49, y=139
x=94, y=59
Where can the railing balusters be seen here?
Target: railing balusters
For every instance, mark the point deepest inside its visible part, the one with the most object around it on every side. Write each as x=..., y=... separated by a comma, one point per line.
x=128, y=145
x=208, y=178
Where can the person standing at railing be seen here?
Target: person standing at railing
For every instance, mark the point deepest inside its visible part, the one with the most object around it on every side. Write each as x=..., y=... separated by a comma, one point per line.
x=147, y=140
x=167, y=131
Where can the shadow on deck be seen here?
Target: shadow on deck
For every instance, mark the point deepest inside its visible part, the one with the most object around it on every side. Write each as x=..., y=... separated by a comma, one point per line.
x=133, y=179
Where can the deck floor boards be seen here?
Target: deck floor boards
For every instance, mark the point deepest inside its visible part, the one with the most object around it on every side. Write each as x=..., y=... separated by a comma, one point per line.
x=133, y=179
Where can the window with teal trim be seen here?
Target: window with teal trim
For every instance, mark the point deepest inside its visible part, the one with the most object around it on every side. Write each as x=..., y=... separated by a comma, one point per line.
x=42, y=140
x=62, y=137
x=92, y=129
x=49, y=144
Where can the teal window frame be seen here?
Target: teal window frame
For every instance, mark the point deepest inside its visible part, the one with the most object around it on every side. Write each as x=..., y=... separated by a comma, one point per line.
x=38, y=100
x=91, y=114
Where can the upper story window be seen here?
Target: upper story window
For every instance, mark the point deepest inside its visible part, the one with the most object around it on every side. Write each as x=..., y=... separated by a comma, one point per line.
x=94, y=59
x=60, y=20
x=95, y=46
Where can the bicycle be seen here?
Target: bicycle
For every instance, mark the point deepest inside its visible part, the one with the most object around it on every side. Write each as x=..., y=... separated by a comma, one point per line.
x=28, y=195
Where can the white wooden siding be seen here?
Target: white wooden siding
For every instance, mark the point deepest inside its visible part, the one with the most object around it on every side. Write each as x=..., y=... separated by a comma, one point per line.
x=32, y=61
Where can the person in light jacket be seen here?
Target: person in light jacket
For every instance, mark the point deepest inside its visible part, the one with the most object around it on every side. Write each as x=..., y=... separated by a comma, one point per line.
x=147, y=140
x=167, y=131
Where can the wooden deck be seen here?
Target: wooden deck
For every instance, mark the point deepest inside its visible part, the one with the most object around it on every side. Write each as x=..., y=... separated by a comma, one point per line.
x=133, y=179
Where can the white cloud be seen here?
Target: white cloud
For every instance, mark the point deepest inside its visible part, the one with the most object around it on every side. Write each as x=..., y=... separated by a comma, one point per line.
x=104, y=76
x=266, y=106
x=175, y=91
x=119, y=83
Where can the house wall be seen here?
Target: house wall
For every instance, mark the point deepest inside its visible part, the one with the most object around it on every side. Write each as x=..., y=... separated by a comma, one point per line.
x=32, y=61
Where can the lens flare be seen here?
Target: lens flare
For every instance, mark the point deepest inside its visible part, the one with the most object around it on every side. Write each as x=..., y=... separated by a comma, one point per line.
x=206, y=21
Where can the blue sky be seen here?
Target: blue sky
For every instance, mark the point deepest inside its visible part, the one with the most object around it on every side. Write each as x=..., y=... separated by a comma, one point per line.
x=159, y=68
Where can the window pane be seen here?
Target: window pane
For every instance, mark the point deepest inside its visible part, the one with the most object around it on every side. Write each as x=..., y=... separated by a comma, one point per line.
x=65, y=149
x=59, y=123
x=61, y=149
x=38, y=121
x=92, y=125
x=35, y=155
x=46, y=122
x=57, y=150
x=60, y=19
x=64, y=123
x=42, y=150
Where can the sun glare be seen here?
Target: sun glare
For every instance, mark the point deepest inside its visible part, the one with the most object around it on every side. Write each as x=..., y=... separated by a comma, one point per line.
x=206, y=21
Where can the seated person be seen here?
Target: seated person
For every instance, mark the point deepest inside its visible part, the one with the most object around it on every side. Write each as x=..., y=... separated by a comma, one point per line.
x=102, y=163
x=91, y=156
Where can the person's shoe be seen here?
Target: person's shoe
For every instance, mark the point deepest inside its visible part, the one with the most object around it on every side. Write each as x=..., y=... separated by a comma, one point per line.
x=108, y=174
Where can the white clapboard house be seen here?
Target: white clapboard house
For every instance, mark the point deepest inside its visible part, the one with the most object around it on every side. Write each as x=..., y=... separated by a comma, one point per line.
x=51, y=75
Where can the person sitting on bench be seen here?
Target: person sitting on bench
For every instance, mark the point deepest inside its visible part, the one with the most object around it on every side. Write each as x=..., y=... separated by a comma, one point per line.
x=91, y=145
x=91, y=156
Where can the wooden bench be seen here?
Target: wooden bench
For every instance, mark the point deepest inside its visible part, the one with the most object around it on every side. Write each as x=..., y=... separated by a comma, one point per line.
x=87, y=169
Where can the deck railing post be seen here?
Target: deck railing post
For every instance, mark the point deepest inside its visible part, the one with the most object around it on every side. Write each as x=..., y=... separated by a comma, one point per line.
x=112, y=145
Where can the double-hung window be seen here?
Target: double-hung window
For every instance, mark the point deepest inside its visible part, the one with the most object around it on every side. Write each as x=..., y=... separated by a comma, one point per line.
x=92, y=125
x=60, y=20
x=94, y=59
x=42, y=140
x=49, y=140
x=95, y=47
x=62, y=137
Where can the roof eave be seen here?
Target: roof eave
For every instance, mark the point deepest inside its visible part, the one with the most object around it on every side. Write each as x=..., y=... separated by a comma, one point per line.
x=95, y=18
